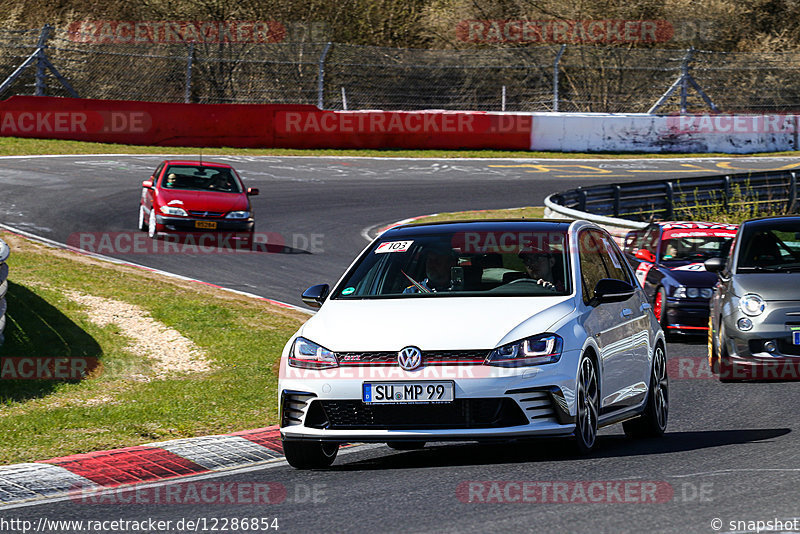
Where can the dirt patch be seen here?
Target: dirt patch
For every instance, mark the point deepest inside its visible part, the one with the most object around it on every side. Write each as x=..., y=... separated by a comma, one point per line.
x=169, y=351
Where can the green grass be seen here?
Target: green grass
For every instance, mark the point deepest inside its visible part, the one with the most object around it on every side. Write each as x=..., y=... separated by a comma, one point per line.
x=15, y=146
x=42, y=419
x=528, y=212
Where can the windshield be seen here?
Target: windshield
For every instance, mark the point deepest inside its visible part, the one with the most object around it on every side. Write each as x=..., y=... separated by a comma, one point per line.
x=695, y=246
x=197, y=178
x=461, y=264
x=770, y=247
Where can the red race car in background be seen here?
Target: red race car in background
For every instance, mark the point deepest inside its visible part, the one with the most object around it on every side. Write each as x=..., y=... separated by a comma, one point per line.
x=195, y=196
x=668, y=259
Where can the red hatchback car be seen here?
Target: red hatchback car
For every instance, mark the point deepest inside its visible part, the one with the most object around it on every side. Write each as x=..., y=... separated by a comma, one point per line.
x=195, y=196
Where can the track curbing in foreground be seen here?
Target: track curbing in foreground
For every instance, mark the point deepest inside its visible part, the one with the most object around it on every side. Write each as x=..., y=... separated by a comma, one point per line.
x=134, y=465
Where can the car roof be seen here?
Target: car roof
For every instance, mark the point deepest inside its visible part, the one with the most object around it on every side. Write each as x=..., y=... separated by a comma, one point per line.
x=197, y=163
x=488, y=225
x=695, y=225
x=773, y=218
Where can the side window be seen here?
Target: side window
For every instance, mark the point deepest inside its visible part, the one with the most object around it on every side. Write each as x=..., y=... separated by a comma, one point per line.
x=157, y=172
x=591, y=263
x=614, y=262
x=651, y=239
x=599, y=259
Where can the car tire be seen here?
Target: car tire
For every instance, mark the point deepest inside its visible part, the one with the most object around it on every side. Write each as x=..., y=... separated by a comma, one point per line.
x=310, y=454
x=713, y=351
x=406, y=445
x=724, y=367
x=152, y=226
x=142, y=220
x=653, y=421
x=588, y=406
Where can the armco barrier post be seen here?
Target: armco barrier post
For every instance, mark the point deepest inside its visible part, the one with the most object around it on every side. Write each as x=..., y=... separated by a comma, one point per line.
x=4, y=253
x=790, y=202
x=669, y=214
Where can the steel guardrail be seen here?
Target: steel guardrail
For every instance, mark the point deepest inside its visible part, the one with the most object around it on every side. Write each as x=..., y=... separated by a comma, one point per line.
x=4, y=253
x=633, y=203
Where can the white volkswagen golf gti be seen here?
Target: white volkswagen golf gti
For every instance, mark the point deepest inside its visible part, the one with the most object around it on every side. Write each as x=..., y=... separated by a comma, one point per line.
x=474, y=331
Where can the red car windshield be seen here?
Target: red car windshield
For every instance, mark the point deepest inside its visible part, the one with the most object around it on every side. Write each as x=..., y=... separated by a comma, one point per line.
x=200, y=178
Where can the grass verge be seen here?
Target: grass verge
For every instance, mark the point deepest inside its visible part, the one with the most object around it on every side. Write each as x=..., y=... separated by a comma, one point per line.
x=527, y=212
x=16, y=146
x=241, y=337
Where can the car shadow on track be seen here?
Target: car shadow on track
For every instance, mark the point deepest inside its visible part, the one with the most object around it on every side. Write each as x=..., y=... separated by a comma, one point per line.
x=550, y=450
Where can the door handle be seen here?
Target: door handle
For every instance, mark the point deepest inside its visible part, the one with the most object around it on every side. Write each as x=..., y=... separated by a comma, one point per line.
x=626, y=312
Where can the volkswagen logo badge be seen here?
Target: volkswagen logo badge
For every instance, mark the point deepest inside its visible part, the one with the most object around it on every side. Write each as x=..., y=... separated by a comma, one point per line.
x=409, y=358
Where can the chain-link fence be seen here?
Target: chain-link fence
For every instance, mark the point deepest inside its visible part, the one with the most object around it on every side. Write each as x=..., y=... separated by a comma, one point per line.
x=340, y=76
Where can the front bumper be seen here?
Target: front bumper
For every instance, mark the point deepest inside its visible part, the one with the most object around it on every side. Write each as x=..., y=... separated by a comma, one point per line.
x=188, y=224
x=747, y=351
x=490, y=403
x=687, y=316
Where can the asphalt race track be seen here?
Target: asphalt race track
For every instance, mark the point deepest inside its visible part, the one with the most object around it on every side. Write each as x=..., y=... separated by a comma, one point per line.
x=730, y=454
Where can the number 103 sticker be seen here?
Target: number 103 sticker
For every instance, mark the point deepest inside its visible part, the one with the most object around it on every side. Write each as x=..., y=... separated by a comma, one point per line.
x=393, y=246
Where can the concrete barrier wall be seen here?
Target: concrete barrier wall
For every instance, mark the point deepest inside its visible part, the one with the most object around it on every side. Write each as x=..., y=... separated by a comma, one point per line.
x=294, y=126
x=603, y=132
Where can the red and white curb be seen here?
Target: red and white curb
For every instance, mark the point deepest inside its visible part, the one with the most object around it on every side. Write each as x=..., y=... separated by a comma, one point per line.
x=134, y=465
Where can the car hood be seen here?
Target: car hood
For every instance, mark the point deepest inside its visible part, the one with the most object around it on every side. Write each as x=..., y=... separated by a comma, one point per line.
x=770, y=286
x=432, y=323
x=203, y=200
x=690, y=274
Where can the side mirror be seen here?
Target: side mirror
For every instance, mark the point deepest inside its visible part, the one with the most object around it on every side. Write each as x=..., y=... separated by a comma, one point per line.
x=147, y=184
x=714, y=265
x=314, y=296
x=645, y=255
x=612, y=290
x=252, y=191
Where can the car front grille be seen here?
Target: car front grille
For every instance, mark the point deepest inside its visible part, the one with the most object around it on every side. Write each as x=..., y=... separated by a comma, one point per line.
x=461, y=413
x=434, y=357
x=206, y=213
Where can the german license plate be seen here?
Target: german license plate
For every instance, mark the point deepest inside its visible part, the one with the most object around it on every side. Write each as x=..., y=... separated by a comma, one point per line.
x=207, y=225
x=407, y=392
x=796, y=338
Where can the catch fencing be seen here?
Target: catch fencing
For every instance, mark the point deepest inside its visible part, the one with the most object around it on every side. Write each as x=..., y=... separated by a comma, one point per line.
x=335, y=76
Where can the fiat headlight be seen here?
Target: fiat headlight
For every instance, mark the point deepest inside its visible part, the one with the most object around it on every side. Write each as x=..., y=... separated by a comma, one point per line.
x=752, y=304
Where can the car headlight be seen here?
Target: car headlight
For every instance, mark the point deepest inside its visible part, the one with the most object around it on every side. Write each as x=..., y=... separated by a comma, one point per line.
x=169, y=210
x=308, y=355
x=680, y=292
x=706, y=292
x=752, y=304
x=536, y=350
x=238, y=215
